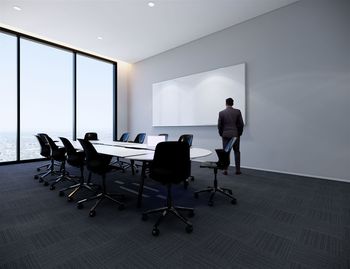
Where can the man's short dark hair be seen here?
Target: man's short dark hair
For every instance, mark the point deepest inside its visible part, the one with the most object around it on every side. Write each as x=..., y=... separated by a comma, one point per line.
x=229, y=101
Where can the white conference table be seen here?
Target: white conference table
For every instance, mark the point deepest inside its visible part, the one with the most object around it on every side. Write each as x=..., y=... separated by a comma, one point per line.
x=135, y=152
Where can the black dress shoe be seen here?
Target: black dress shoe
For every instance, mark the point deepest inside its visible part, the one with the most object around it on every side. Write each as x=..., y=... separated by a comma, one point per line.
x=238, y=172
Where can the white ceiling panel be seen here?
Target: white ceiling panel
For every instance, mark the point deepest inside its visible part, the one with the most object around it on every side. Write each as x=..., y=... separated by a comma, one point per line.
x=131, y=31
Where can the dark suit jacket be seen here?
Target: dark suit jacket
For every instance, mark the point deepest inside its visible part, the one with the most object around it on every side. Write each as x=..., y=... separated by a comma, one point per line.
x=230, y=123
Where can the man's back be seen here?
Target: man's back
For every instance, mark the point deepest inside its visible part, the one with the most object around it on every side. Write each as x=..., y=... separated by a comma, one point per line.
x=230, y=123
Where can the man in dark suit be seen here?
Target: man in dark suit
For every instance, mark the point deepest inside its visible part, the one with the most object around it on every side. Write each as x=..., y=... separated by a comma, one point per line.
x=230, y=124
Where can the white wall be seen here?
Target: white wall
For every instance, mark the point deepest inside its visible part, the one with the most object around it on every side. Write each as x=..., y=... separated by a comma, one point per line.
x=298, y=87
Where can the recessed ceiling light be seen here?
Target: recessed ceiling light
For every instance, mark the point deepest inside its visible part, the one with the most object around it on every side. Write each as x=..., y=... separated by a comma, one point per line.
x=99, y=38
x=151, y=4
x=17, y=8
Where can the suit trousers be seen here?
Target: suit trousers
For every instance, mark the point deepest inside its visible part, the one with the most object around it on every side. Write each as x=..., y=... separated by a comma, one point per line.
x=236, y=151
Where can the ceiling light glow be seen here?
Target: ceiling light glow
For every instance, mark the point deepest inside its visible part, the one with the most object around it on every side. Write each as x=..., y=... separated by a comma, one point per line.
x=17, y=8
x=99, y=38
x=151, y=4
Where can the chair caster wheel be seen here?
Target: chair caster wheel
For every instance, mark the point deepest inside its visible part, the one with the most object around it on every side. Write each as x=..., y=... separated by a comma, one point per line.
x=61, y=193
x=40, y=180
x=52, y=187
x=80, y=205
x=210, y=203
x=195, y=195
x=69, y=199
x=38, y=169
x=46, y=183
x=192, y=178
x=92, y=213
x=234, y=201
x=230, y=192
x=191, y=214
x=144, y=217
x=189, y=229
x=155, y=231
x=121, y=207
x=36, y=177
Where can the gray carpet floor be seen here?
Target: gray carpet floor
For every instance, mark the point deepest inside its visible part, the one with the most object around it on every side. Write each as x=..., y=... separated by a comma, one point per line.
x=280, y=221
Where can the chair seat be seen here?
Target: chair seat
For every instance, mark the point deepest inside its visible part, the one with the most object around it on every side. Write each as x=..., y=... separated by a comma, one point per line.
x=208, y=165
x=77, y=159
x=212, y=165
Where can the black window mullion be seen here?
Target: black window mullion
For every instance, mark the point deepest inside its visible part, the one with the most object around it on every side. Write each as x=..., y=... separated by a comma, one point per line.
x=74, y=96
x=18, y=142
x=115, y=99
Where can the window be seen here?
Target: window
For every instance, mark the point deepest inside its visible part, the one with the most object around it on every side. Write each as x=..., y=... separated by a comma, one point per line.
x=8, y=100
x=94, y=97
x=49, y=88
x=46, y=95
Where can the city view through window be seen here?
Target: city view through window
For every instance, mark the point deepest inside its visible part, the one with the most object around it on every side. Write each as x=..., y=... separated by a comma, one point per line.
x=47, y=96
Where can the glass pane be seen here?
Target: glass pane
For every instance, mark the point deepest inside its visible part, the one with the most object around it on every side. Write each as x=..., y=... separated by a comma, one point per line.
x=8, y=97
x=46, y=95
x=94, y=97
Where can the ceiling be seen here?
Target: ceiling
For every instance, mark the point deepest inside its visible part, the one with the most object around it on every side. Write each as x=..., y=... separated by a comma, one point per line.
x=131, y=31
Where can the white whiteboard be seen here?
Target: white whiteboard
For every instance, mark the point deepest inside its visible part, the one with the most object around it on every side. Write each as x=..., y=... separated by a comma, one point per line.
x=197, y=99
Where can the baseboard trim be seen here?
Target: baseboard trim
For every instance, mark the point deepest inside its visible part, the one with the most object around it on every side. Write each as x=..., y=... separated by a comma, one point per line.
x=295, y=174
x=299, y=174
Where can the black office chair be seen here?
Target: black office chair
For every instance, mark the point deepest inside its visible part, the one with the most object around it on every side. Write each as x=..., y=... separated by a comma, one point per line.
x=222, y=164
x=171, y=165
x=59, y=155
x=188, y=138
x=44, y=145
x=124, y=137
x=76, y=159
x=98, y=164
x=45, y=152
x=165, y=135
x=139, y=139
x=91, y=136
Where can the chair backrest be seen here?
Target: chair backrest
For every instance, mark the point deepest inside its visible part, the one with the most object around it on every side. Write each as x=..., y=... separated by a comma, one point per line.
x=171, y=162
x=224, y=154
x=95, y=162
x=166, y=136
x=74, y=157
x=91, y=136
x=186, y=138
x=90, y=152
x=124, y=137
x=52, y=144
x=223, y=158
x=68, y=146
x=44, y=147
x=43, y=136
x=140, y=138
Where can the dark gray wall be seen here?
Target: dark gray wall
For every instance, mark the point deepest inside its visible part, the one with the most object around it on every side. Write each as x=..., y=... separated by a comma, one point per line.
x=298, y=93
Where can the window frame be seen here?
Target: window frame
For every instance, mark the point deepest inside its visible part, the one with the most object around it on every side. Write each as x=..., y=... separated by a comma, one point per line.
x=74, y=52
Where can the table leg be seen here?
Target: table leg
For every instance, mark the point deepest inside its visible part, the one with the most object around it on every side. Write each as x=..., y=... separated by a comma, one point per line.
x=143, y=176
